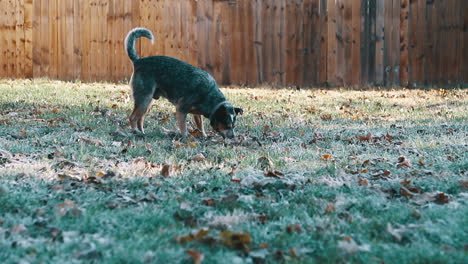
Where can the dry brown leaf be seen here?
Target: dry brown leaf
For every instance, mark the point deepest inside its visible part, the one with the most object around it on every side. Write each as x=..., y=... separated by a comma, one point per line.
x=294, y=228
x=367, y=137
x=239, y=241
x=193, y=236
x=330, y=208
x=166, y=170
x=327, y=157
x=363, y=182
x=405, y=192
x=197, y=257
x=326, y=117
x=198, y=157
x=274, y=174
x=441, y=198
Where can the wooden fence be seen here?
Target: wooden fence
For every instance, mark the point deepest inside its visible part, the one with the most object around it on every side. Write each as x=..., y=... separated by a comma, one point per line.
x=278, y=42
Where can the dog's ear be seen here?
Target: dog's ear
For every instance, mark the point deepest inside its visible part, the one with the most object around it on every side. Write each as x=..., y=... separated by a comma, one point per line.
x=239, y=111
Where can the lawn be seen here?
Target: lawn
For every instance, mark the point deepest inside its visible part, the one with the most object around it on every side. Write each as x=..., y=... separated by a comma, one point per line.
x=314, y=176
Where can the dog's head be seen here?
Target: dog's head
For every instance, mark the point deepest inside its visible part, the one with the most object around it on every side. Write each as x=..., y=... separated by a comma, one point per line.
x=223, y=120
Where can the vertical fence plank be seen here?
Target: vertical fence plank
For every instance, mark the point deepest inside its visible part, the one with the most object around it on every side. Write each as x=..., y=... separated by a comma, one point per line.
x=85, y=39
x=430, y=44
x=379, y=44
x=291, y=49
x=215, y=60
x=53, y=39
x=259, y=42
x=310, y=42
x=340, y=42
x=322, y=78
x=19, y=39
x=11, y=39
x=3, y=39
x=356, y=43
x=28, y=38
x=267, y=40
x=250, y=44
x=282, y=42
x=36, y=38
x=464, y=55
x=69, y=57
x=388, y=41
x=236, y=40
x=332, y=46
x=404, y=13
x=111, y=39
x=395, y=55
x=347, y=39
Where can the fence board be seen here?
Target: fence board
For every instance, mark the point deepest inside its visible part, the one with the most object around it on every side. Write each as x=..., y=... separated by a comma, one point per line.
x=250, y=44
x=19, y=39
x=464, y=56
x=85, y=39
x=340, y=42
x=395, y=56
x=11, y=36
x=379, y=14
x=404, y=13
x=347, y=39
x=355, y=60
x=28, y=38
x=259, y=40
x=322, y=78
x=3, y=40
x=53, y=40
x=332, y=45
x=431, y=42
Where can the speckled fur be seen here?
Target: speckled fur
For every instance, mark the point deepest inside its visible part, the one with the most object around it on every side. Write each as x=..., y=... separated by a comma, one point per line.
x=189, y=88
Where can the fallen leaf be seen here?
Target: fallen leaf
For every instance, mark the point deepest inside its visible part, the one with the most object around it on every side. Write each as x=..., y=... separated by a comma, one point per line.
x=351, y=247
x=55, y=110
x=294, y=228
x=238, y=241
x=274, y=174
x=405, y=192
x=197, y=257
x=363, y=182
x=330, y=208
x=367, y=137
x=166, y=170
x=396, y=233
x=403, y=162
x=326, y=117
x=441, y=198
x=198, y=157
x=193, y=236
x=192, y=144
x=327, y=157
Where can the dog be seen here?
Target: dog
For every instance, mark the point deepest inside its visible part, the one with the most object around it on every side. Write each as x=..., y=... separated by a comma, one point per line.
x=188, y=88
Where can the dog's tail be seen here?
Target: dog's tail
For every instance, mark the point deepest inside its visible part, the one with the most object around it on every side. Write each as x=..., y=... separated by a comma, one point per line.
x=132, y=36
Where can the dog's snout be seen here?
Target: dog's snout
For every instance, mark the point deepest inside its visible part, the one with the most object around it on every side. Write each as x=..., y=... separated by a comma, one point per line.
x=228, y=133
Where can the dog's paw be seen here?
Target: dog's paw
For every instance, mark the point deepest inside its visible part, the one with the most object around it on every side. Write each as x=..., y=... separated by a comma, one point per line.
x=138, y=133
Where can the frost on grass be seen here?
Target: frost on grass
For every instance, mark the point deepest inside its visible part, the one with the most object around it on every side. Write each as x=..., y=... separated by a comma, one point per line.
x=313, y=176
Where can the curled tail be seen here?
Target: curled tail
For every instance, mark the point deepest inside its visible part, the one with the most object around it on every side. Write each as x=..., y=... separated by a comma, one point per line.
x=132, y=36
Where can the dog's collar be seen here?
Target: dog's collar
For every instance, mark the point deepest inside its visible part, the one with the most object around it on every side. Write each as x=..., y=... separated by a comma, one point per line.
x=216, y=108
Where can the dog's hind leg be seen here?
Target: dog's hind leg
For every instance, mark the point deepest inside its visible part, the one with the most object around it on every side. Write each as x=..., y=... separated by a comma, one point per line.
x=138, y=115
x=199, y=123
x=142, y=96
x=182, y=123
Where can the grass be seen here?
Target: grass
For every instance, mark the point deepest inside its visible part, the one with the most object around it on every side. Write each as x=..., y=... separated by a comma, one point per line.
x=315, y=176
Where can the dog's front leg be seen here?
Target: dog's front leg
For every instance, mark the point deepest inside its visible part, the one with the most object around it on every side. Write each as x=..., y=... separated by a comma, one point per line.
x=182, y=123
x=199, y=123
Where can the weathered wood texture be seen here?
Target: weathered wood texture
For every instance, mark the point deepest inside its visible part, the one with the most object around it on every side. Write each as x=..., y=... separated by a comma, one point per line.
x=246, y=42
